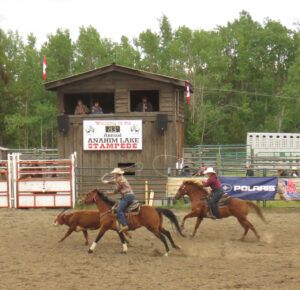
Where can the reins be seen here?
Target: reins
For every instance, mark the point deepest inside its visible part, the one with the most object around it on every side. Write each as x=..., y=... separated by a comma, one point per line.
x=105, y=213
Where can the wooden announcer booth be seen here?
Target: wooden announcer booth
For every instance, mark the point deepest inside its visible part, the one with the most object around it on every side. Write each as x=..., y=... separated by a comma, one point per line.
x=121, y=135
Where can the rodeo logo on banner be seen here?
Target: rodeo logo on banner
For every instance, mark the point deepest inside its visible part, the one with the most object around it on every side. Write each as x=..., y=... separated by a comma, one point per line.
x=112, y=135
x=250, y=188
x=289, y=190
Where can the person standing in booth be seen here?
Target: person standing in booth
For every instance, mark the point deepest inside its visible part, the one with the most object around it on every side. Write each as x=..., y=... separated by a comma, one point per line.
x=81, y=108
x=144, y=106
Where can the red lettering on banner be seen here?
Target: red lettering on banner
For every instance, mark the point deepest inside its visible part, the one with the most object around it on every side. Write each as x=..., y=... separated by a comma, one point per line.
x=112, y=146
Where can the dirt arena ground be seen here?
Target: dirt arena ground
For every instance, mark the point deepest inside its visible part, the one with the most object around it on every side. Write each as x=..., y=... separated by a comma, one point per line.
x=31, y=258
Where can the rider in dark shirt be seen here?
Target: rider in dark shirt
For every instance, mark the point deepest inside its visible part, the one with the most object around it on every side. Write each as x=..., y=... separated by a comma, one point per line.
x=215, y=184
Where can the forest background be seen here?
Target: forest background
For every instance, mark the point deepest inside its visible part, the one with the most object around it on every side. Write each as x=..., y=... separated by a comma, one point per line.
x=245, y=77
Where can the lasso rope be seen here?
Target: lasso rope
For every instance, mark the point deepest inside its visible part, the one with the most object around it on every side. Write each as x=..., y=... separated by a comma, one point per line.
x=173, y=158
x=108, y=176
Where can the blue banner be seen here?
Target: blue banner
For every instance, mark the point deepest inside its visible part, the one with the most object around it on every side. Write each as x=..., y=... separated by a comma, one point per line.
x=250, y=188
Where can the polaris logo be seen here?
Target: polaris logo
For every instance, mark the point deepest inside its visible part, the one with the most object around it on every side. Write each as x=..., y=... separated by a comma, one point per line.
x=254, y=188
x=226, y=187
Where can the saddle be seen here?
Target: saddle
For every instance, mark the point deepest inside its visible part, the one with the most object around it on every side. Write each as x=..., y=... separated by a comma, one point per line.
x=133, y=208
x=223, y=201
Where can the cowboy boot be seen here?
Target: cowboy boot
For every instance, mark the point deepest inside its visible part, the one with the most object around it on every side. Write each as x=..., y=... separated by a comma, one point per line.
x=210, y=215
x=123, y=228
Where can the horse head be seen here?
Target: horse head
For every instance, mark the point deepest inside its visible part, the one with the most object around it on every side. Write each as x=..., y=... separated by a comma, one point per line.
x=190, y=187
x=96, y=196
x=90, y=197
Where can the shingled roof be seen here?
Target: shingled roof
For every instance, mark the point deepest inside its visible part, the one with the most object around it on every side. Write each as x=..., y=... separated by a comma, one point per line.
x=54, y=85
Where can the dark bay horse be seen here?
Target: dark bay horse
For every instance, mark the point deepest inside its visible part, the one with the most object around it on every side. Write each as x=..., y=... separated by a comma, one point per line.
x=235, y=207
x=148, y=217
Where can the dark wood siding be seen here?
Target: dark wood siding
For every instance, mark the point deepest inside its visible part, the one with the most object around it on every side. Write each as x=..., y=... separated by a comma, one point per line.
x=155, y=143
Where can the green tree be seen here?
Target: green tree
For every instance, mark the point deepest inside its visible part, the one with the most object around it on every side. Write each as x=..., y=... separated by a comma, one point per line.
x=91, y=51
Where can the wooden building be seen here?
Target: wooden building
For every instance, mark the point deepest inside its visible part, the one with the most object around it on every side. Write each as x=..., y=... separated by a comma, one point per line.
x=119, y=90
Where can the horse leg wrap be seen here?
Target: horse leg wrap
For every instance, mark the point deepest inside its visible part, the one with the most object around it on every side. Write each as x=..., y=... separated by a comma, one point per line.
x=93, y=246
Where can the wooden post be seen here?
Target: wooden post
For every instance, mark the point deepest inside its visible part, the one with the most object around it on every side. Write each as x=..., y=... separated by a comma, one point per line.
x=146, y=192
x=151, y=198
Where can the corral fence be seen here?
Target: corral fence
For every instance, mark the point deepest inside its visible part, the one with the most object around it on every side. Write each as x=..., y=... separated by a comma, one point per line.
x=33, y=183
x=230, y=160
x=147, y=184
x=31, y=153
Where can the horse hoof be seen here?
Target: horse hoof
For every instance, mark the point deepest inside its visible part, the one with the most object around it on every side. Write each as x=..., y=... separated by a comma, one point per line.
x=123, y=253
x=90, y=251
x=177, y=247
x=166, y=254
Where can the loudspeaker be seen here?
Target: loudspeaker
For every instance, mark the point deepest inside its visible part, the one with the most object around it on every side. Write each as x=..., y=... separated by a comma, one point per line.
x=162, y=122
x=63, y=123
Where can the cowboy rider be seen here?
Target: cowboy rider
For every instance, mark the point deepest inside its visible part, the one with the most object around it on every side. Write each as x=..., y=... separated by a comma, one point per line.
x=127, y=196
x=217, y=191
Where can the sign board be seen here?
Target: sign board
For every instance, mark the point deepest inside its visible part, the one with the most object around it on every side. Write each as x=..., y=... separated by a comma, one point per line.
x=250, y=188
x=112, y=135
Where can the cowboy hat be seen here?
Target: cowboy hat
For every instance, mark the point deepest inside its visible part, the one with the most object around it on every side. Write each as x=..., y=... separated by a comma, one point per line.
x=209, y=170
x=117, y=171
x=294, y=168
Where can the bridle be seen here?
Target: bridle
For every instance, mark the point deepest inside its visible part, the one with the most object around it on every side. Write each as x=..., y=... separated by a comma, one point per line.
x=182, y=190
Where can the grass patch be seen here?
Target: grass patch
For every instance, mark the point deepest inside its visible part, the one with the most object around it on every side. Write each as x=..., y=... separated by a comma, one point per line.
x=282, y=204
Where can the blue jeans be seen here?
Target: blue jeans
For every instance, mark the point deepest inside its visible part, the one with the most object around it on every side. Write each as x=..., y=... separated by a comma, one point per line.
x=213, y=203
x=125, y=201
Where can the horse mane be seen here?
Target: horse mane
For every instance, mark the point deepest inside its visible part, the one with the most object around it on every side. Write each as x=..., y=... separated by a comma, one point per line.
x=197, y=183
x=105, y=198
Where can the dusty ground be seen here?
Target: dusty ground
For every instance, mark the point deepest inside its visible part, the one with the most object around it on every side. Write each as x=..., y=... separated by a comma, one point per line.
x=31, y=258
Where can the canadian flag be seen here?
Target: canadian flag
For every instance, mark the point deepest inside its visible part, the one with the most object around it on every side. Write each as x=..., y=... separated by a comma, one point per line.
x=44, y=68
x=188, y=92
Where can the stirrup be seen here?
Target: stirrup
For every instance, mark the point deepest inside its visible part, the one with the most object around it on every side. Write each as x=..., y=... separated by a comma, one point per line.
x=210, y=215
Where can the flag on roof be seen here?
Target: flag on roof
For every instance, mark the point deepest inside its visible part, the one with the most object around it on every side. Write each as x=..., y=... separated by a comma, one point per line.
x=188, y=91
x=44, y=68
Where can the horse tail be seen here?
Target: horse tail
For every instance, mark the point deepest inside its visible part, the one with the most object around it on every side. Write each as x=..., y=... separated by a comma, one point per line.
x=172, y=217
x=257, y=210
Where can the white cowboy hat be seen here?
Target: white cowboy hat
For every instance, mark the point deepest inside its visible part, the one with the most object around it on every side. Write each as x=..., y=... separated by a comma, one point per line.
x=117, y=171
x=209, y=170
x=294, y=168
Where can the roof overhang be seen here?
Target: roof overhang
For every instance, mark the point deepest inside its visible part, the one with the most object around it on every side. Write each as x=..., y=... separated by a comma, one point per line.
x=54, y=85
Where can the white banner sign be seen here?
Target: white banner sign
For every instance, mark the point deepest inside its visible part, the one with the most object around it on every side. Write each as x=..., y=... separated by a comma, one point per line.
x=112, y=135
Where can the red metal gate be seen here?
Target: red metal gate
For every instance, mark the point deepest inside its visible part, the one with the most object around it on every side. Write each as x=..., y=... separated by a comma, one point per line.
x=4, y=185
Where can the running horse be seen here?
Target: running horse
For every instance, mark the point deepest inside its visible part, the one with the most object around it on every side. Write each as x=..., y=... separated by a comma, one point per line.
x=232, y=207
x=148, y=217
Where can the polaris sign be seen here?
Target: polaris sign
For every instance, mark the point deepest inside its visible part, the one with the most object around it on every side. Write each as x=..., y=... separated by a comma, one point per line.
x=250, y=188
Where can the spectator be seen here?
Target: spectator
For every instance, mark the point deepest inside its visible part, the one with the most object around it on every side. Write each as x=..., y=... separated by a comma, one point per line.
x=144, y=106
x=96, y=109
x=185, y=171
x=295, y=172
x=201, y=170
x=282, y=173
x=81, y=108
x=249, y=170
x=179, y=166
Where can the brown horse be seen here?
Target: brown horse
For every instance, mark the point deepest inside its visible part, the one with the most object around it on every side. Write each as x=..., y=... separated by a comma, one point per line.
x=148, y=217
x=235, y=207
